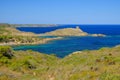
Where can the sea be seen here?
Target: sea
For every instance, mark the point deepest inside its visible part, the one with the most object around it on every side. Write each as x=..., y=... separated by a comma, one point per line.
x=68, y=45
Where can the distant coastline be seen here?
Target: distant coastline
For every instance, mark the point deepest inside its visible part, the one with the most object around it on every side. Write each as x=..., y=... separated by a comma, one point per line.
x=29, y=25
x=34, y=25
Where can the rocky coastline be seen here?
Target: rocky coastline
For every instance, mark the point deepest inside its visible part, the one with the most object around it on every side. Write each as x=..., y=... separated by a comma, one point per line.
x=42, y=41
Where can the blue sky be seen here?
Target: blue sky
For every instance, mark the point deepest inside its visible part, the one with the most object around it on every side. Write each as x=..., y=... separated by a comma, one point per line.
x=60, y=11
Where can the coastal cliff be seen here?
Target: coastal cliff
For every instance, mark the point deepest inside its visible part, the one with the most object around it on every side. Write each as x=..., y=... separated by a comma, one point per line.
x=71, y=32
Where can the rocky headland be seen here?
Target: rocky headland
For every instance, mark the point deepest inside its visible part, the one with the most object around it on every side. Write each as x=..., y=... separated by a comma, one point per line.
x=71, y=32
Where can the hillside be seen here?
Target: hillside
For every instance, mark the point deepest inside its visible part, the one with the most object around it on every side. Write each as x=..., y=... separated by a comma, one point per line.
x=103, y=64
x=14, y=32
x=11, y=36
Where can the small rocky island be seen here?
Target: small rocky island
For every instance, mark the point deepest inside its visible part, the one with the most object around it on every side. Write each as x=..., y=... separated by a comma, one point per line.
x=71, y=32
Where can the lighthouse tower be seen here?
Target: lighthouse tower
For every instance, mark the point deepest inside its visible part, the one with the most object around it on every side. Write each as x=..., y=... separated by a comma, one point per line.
x=78, y=28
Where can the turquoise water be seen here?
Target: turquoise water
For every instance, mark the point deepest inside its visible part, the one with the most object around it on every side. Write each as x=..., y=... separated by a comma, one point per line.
x=71, y=44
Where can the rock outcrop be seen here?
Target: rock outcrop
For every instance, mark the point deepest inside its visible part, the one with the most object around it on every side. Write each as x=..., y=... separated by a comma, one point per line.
x=98, y=35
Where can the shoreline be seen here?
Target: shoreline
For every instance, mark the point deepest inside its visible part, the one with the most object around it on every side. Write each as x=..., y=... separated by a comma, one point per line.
x=43, y=41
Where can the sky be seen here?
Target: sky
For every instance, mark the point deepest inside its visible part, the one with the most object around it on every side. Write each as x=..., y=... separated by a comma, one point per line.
x=60, y=11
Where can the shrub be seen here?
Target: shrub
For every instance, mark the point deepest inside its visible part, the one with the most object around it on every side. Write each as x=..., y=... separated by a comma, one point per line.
x=6, y=51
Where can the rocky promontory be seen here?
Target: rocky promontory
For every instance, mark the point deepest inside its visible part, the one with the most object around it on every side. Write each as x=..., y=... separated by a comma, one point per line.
x=71, y=32
x=67, y=32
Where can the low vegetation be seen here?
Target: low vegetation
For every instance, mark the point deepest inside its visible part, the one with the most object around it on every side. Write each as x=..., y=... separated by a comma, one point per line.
x=103, y=64
x=18, y=39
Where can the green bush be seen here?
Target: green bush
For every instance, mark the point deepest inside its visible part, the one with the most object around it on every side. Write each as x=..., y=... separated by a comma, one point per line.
x=6, y=51
x=5, y=38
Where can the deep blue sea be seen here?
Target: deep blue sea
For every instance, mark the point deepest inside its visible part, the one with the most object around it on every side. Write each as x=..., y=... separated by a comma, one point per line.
x=104, y=29
x=71, y=44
